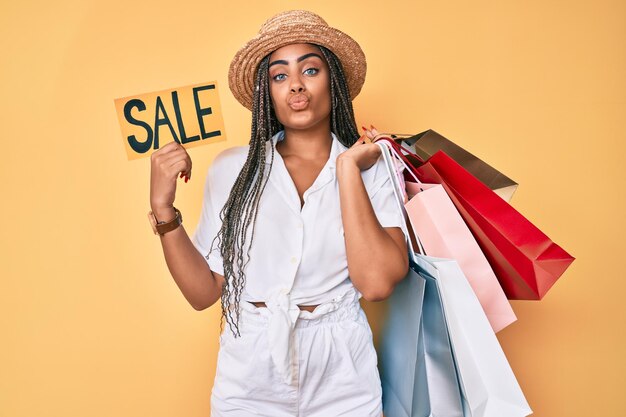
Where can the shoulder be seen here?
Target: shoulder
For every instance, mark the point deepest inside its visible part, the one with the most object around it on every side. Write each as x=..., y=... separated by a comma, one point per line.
x=229, y=161
x=375, y=176
x=223, y=172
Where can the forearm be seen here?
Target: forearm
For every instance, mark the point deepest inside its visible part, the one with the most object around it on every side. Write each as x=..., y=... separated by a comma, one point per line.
x=375, y=262
x=187, y=266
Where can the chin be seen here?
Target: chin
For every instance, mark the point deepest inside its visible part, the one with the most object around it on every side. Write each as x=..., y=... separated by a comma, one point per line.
x=302, y=122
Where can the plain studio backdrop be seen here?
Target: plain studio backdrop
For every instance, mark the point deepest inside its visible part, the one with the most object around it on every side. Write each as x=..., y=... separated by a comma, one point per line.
x=92, y=324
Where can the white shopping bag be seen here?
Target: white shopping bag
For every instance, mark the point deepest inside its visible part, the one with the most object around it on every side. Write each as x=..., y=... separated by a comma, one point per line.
x=489, y=386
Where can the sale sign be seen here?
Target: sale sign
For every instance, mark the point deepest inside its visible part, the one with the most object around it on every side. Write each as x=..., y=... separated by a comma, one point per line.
x=191, y=116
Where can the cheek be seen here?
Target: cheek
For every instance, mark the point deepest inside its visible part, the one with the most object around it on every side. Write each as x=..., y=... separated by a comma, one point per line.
x=273, y=94
x=323, y=92
x=278, y=102
x=324, y=100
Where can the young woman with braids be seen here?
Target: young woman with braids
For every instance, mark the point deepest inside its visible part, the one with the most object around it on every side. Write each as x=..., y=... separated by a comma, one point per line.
x=305, y=225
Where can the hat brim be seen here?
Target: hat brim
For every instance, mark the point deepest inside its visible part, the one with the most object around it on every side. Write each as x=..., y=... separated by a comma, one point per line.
x=242, y=71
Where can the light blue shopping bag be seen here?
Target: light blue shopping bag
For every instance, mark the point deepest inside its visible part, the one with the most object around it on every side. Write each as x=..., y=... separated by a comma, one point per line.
x=416, y=363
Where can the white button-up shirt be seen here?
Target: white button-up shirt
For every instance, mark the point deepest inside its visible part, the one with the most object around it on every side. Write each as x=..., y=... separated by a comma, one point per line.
x=298, y=255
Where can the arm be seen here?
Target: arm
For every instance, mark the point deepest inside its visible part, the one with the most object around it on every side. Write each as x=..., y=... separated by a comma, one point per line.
x=377, y=256
x=200, y=286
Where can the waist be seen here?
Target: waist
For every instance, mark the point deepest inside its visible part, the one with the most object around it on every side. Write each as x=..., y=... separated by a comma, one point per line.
x=289, y=315
x=282, y=316
x=262, y=304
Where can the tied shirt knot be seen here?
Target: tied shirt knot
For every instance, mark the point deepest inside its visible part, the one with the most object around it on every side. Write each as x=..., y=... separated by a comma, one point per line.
x=284, y=314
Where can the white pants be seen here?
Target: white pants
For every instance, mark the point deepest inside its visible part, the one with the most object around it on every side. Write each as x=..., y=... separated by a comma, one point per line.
x=333, y=359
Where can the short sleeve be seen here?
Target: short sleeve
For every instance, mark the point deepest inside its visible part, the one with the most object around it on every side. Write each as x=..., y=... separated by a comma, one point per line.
x=383, y=198
x=209, y=224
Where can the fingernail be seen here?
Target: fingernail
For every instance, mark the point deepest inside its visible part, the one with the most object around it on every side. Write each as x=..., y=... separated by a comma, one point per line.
x=363, y=127
x=181, y=175
x=373, y=127
x=186, y=179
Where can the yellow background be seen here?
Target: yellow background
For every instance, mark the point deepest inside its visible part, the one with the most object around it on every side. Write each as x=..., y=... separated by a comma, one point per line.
x=92, y=324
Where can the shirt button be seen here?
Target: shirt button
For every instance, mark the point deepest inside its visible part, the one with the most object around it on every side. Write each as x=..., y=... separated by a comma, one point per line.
x=294, y=260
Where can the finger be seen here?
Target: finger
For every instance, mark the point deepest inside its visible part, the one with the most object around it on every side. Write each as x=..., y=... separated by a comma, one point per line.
x=359, y=141
x=165, y=150
x=168, y=161
x=187, y=167
x=173, y=155
x=185, y=171
x=190, y=165
x=178, y=166
x=381, y=135
x=369, y=134
x=170, y=147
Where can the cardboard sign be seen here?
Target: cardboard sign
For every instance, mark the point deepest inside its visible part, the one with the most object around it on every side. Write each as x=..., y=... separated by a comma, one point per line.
x=191, y=116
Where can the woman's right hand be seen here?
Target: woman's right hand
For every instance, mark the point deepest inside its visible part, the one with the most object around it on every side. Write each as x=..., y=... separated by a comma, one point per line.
x=165, y=165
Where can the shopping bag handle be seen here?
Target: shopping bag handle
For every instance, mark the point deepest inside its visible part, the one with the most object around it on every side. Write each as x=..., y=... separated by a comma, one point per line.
x=394, y=153
x=384, y=147
x=397, y=147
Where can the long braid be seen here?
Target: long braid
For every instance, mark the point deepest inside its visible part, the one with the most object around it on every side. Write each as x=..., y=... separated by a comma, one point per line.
x=342, y=117
x=241, y=207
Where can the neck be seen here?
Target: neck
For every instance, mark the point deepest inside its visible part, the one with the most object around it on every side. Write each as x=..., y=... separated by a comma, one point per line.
x=312, y=143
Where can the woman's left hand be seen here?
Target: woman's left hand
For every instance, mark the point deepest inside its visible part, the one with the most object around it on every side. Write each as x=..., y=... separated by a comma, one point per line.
x=363, y=152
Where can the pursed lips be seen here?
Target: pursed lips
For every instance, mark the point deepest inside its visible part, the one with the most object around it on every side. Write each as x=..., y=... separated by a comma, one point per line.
x=299, y=101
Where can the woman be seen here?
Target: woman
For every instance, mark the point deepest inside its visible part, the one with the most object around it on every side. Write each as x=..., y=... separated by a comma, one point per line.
x=325, y=231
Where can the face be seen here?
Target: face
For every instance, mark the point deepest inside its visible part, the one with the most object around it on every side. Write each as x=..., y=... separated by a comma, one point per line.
x=299, y=83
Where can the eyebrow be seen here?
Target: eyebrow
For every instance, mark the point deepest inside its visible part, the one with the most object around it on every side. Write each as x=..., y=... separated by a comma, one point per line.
x=302, y=58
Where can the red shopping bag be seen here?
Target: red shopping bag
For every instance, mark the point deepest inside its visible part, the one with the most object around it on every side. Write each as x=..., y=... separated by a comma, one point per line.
x=525, y=260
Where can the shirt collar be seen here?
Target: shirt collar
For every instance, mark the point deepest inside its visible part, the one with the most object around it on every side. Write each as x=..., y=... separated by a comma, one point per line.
x=336, y=148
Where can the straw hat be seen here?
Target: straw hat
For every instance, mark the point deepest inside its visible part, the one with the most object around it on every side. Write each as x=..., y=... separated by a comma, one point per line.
x=294, y=26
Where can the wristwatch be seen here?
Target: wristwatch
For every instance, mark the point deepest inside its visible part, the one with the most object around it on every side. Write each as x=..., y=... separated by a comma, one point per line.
x=161, y=227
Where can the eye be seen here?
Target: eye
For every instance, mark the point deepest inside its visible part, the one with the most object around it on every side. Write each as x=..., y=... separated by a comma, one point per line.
x=315, y=71
x=277, y=77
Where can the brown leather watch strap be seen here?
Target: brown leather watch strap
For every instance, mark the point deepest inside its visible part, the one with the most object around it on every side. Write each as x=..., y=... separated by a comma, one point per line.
x=163, y=227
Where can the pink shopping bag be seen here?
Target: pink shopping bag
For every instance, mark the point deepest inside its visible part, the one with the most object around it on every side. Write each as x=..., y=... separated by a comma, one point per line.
x=443, y=233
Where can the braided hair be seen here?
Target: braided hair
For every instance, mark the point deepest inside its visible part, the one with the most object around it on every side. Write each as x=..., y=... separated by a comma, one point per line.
x=241, y=206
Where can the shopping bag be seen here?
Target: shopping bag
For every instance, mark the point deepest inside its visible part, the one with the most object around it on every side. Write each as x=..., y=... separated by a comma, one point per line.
x=488, y=387
x=437, y=391
x=525, y=260
x=416, y=364
x=398, y=348
x=429, y=142
x=443, y=233
x=455, y=367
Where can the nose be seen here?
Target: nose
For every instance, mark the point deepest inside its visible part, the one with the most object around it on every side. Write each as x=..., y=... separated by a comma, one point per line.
x=297, y=86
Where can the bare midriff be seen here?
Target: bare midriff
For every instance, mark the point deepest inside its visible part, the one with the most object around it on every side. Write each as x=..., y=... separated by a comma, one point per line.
x=262, y=304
